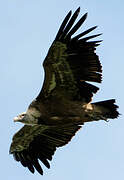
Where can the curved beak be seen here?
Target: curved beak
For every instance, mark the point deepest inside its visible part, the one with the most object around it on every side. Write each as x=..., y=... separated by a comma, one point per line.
x=16, y=119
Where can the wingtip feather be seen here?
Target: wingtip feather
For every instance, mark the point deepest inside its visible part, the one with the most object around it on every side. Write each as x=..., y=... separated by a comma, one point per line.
x=78, y=10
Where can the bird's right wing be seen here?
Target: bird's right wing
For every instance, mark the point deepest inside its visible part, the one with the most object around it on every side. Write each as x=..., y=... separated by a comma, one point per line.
x=38, y=142
x=71, y=62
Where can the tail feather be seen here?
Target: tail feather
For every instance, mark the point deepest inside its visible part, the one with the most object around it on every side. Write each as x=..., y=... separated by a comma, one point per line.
x=107, y=108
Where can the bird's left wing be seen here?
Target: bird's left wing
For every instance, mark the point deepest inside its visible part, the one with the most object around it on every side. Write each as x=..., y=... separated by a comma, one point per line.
x=71, y=61
x=33, y=143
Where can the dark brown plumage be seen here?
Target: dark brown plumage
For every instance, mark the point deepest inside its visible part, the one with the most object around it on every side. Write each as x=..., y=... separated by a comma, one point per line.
x=64, y=103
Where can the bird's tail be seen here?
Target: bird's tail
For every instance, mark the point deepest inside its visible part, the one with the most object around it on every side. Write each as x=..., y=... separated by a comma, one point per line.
x=107, y=109
x=104, y=110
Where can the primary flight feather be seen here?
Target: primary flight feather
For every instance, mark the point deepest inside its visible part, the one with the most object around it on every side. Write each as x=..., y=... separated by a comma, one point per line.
x=64, y=102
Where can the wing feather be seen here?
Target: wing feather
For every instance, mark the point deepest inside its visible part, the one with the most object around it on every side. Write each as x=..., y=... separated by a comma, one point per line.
x=71, y=61
x=63, y=25
x=34, y=143
x=77, y=26
x=69, y=24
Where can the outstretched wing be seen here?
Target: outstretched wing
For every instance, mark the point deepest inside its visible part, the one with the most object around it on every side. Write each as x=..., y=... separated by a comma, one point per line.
x=72, y=61
x=38, y=142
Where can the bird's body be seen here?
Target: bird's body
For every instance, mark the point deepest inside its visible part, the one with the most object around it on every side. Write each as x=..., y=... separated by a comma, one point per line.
x=64, y=102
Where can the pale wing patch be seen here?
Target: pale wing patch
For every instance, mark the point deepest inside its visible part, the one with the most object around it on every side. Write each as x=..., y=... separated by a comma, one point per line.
x=57, y=70
x=52, y=83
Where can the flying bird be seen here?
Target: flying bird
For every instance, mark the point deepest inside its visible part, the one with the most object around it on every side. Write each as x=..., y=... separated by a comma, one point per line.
x=64, y=102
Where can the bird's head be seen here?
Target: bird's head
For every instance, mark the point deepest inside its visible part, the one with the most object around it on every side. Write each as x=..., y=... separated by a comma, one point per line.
x=21, y=117
x=30, y=117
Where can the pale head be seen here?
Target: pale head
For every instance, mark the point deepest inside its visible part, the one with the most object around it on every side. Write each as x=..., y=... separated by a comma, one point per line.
x=20, y=118
x=30, y=117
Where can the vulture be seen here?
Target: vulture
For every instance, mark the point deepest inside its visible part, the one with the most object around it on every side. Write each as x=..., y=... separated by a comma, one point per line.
x=64, y=103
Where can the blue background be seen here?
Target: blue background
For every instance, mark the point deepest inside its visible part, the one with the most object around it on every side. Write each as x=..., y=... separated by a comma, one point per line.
x=27, y=29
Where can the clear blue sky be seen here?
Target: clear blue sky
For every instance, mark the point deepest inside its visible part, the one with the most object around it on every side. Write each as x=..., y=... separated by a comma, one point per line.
x=27, y=28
